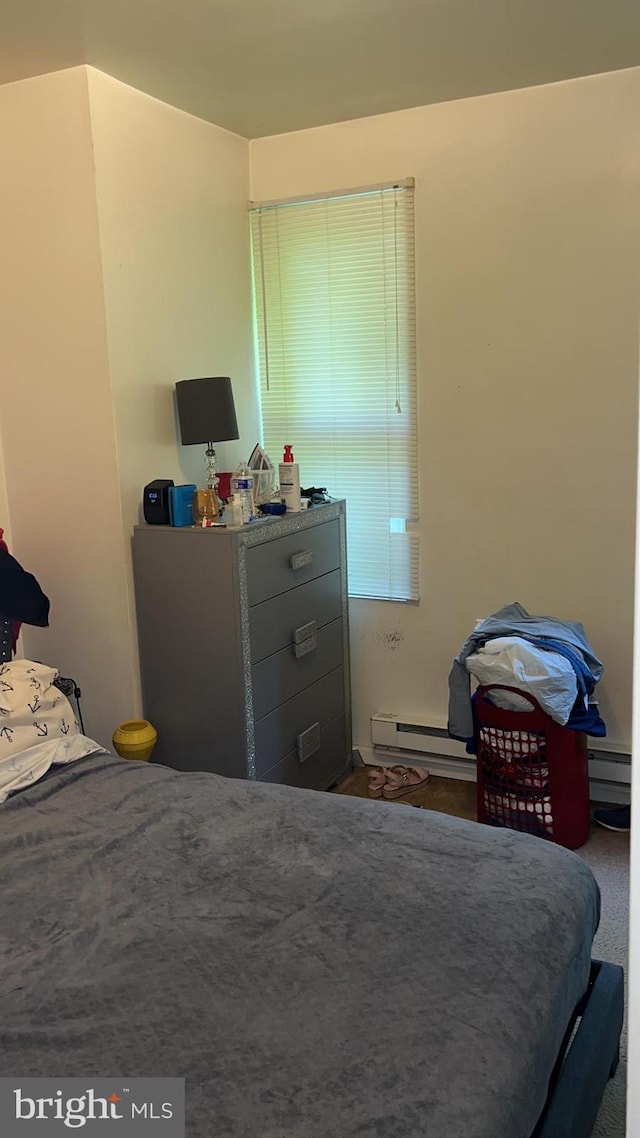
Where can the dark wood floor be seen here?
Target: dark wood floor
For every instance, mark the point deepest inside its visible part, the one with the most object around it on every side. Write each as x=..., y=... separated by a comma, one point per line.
x=446, y=795
x=454, y=796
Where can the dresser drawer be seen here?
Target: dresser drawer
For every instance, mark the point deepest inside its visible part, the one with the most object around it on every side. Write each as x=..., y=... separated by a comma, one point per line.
x=282, y=730
x=269, y=641
x=283, y=675
x=273, y=624
x=276, y=566
x=321, y=769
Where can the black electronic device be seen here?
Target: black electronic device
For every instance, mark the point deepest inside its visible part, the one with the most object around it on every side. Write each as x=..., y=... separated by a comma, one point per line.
x=155, y=502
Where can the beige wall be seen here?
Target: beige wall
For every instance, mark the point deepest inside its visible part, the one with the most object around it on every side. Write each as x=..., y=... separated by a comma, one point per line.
x=172, y=193
x=528, y=270
x=55, y=402
x=125, y=267
x=118, y=281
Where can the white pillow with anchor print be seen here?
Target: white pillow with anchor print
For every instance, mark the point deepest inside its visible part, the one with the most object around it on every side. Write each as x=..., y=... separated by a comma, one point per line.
x=38, y=726
x=26, y=767
x=32, y=709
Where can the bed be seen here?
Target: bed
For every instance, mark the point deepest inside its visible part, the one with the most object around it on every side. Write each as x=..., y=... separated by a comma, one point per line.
x=314, y=965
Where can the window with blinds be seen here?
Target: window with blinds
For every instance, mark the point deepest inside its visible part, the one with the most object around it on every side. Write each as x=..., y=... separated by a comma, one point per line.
x=335, y=320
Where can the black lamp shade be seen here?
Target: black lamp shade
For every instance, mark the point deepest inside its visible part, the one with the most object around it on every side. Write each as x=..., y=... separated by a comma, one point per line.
x=206, y=410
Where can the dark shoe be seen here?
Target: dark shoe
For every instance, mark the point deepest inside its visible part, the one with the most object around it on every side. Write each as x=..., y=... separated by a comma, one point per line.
x=618, y=819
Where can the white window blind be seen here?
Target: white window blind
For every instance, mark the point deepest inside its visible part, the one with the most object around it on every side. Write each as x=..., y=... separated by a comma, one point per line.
x=335, y=320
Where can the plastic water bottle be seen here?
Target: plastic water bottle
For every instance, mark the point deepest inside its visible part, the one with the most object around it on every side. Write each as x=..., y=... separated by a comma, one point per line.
x=242, y=490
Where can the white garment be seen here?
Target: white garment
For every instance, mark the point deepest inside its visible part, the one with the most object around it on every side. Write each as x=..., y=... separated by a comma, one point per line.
x=25, y=767
x=514, y=661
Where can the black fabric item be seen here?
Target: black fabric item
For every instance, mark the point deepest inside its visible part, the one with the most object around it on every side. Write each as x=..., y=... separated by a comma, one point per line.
x=21, y=597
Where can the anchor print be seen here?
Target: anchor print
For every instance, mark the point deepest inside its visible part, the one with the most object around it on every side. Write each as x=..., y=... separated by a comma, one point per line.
x=65, y=727
x=34, y=705
x=7, y=733
x=41, y=728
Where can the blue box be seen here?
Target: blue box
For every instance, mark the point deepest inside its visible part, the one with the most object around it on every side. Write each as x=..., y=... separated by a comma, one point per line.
x=180, y=502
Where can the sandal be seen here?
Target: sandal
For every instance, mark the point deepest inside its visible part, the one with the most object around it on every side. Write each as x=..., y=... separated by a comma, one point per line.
x=377, y=782
x=403, y=780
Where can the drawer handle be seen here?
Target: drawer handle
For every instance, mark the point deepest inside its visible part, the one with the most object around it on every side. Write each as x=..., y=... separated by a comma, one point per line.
x=305, y=632
x=304, y=647
x=301, y=560
x=308, y=742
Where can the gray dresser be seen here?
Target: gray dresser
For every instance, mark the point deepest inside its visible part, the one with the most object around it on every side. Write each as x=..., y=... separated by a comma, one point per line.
x=244, y=646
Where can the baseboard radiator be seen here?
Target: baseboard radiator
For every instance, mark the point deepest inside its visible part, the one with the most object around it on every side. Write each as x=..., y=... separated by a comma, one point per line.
x=394, y=740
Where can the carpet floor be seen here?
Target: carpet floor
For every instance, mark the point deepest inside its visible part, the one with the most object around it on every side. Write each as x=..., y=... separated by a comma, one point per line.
x=608, y=855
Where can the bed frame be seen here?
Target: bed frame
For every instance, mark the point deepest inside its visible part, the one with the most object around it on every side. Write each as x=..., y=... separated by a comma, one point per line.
x=6, y=640
x=589, y=1057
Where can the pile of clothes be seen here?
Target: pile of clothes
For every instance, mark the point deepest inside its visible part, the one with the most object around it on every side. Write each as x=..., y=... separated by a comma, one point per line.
x=532, y=658
x=540, y=656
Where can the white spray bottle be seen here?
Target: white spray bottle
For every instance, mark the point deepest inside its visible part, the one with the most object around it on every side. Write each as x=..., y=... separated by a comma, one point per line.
x=289, y=475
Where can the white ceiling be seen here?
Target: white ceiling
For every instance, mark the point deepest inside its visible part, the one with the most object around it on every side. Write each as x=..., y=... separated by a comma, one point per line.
x=262, y=67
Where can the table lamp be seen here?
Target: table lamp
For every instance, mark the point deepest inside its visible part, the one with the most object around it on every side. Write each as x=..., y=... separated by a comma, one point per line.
x=206, y=414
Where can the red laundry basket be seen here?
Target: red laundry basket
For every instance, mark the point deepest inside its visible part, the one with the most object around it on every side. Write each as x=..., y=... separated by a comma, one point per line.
x=532, y=772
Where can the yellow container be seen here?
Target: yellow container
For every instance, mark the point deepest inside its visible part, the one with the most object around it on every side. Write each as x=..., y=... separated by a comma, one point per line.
x=135, y=739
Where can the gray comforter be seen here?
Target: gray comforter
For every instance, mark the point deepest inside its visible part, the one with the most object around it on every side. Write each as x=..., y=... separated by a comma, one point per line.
x=315, y=965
